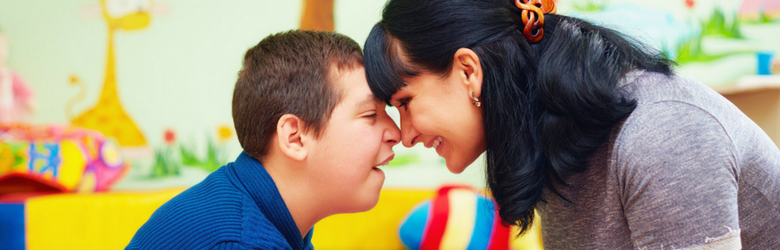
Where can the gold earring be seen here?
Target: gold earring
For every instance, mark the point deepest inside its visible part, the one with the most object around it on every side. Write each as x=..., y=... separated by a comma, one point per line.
x=476, y=100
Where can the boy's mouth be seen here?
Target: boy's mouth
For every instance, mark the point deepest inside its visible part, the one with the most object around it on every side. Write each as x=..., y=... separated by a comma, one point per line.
x=386, y=161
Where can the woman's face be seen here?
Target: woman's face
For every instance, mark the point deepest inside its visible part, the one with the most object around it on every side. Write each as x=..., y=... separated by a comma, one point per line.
x=438, y=112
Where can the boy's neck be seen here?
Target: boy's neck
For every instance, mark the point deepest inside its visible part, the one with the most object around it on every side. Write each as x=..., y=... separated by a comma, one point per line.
x=296, y=192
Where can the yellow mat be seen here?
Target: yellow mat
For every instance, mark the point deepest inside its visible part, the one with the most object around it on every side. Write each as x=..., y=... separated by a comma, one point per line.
x=109, y=221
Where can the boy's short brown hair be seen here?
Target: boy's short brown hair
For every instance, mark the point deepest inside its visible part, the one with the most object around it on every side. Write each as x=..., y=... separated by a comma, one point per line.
x=288, y=73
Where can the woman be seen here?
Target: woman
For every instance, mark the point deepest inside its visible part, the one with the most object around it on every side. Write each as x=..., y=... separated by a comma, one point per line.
x=587, y=127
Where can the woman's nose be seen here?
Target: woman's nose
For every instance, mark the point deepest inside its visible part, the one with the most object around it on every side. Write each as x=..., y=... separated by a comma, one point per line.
x=409, y=134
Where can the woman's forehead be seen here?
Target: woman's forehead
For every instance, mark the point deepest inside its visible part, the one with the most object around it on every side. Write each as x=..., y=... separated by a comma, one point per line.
x=387, y=64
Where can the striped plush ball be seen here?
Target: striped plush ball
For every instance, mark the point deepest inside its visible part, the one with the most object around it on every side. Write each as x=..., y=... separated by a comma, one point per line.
x=458, y=217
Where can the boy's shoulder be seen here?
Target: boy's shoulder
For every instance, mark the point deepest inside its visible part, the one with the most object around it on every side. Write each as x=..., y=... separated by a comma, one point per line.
x=212, y=213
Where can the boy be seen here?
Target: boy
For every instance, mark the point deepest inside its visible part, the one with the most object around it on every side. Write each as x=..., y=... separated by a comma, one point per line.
x=313, y=135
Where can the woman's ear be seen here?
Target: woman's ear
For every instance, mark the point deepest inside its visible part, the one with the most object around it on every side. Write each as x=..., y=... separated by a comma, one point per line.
x=466, y=63
x=290, y=136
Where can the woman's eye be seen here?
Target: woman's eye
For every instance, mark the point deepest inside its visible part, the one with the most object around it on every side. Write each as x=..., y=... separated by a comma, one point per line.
x=403, y=103
x=372, y=115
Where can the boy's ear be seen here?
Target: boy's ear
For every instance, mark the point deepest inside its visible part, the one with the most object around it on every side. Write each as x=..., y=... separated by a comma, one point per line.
x=291, y=137
x=467, y=64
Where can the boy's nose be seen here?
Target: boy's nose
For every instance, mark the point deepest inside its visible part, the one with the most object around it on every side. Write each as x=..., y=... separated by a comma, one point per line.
x=392, y=134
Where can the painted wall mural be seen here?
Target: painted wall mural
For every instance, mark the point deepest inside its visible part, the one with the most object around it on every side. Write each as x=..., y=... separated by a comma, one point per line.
x=759, y=10
x=172, y=94
x=713, y=41
x=107, y=115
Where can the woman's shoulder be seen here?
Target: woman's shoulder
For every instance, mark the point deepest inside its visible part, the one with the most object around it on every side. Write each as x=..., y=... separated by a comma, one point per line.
x=671, y=108
x=670, y=134
x=676, y=112
x=647, y=88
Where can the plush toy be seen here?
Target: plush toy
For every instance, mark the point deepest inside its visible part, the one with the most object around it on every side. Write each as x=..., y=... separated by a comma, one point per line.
x=57, y=158
x=458, y=217
x=16, y=98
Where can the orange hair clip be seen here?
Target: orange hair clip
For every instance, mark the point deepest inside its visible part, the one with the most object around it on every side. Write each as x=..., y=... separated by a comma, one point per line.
x=533, y=16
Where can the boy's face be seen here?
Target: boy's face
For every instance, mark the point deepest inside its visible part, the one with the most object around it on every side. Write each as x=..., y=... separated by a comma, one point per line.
x=359, y=137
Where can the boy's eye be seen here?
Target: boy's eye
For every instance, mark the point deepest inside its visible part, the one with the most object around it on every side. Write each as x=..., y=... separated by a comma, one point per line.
x=371, y=115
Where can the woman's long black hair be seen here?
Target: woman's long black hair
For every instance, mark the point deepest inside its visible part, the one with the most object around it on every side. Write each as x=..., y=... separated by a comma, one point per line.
x=546, y=106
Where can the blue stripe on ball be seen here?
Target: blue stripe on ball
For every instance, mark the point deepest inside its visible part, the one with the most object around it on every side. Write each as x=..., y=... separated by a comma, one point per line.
x=413, y=227
x=483, y=227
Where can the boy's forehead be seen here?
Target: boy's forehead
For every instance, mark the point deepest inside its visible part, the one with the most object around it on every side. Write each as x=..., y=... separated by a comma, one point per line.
x=369, y=100
x=352, y=84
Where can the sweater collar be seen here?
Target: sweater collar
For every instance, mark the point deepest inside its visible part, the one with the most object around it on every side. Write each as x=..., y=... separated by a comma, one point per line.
x=630, y=77
x=262, y=188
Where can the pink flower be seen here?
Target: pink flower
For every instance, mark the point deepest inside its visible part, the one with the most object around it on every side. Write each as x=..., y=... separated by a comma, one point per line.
x=169, y=136
x=689, y=3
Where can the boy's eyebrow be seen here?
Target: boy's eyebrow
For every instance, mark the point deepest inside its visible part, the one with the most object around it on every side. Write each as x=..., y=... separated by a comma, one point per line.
x=369, y=99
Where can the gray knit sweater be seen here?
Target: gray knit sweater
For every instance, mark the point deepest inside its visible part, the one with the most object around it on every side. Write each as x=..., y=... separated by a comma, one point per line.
x=686, y=169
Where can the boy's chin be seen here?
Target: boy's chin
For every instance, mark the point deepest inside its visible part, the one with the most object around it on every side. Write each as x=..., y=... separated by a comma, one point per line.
x=368, y=206
x=364, y=205
x=367, y=201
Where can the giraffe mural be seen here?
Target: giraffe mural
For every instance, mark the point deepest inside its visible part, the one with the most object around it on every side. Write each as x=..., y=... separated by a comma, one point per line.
x=107, y=115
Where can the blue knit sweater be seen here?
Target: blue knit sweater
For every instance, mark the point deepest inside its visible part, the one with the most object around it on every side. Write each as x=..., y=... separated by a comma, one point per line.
x=236, y=207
